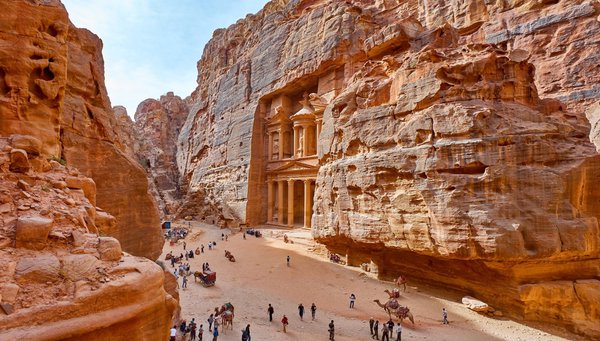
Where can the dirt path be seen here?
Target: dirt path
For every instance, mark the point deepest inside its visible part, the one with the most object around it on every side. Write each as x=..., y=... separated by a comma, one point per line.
x=260, y=276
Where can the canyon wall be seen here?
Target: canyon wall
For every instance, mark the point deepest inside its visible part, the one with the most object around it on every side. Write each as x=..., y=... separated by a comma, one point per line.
x=454, y=145
x=157, y=126
x=61, y=278
x=52, y=88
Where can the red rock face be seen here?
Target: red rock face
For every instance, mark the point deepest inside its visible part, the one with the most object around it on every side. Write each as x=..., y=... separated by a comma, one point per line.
x=58, y=277
x=157, y=127
x=52, y=88
x=454, y=149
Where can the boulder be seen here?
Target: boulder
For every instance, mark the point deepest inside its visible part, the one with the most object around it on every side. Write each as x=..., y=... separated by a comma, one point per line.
x=23, y=185
x=109, y=249
x=476, y=305
x=79, y=267
x=32, y=232
x=41, y=268
x=86, y=184
x=19, y=162
x=9, y=292
x=30, y=144
x=106, y=223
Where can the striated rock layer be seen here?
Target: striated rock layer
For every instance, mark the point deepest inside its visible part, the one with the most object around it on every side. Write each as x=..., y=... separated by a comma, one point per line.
x=52, y=87
x=454, y=145
x=59, y=279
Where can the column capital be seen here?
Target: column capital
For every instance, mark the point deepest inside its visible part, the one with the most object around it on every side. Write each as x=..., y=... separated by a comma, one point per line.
x=291, y=180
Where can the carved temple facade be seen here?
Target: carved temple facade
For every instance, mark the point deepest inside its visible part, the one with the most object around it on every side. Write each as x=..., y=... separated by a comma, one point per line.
x=282, y=184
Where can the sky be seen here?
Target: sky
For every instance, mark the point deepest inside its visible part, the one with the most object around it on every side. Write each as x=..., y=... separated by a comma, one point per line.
x=151, y=47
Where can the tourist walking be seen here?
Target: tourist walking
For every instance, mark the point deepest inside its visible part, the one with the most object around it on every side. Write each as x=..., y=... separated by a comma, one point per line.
x=173, y=333
x=200, y=332
x=192, y=331
x=399, y=332
x=184, y=282
x=247, y=330
x=390, y=326
x=313, y=311
x=352, y=299
x=270, y=310
x=301, y=312
x=385, y=332
x=371, y=323
x=444, y=316
x=215, y=333
x=202, y=248
x=210, y=320
x=288, y=260
x=284, y=322
x=376, y=330
x=331, y=330
x=184, y=244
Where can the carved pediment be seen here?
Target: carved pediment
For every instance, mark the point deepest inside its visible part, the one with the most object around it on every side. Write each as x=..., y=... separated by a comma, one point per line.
x=293, y=166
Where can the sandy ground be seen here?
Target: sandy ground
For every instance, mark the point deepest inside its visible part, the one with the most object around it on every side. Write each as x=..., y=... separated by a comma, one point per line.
x=260, y=276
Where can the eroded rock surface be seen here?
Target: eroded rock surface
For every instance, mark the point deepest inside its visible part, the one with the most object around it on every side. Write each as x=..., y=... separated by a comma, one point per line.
x=454, y=147
x=60, y=279
x=52, y=89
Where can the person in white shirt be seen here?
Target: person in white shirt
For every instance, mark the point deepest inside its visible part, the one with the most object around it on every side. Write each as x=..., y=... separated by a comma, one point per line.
x=399, y=332
x=173, y=333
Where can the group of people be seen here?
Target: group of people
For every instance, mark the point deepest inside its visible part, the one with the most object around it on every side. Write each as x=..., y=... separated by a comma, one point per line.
x=387, y=330
x=185, y=329
x=176, y=233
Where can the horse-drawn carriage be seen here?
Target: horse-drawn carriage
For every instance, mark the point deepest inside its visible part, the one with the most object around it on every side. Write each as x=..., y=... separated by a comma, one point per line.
x=207, y=278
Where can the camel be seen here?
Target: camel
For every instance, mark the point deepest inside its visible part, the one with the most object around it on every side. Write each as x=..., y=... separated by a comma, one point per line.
x=393, y=294
x=392, y=306
x=401, y=281
x=227, y=319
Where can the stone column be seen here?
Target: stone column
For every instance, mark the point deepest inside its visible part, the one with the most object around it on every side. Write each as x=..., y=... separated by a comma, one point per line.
x=304, y=140
x=294, y=156
x=280, y=185
x=270, y=201
x=307, y=204
x=270, y=152
x=281, y=143
x=290, y=216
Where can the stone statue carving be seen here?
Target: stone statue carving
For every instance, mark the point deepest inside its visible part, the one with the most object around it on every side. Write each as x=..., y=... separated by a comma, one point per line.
x=275, y=151
x=300, y=144
x=317, y=102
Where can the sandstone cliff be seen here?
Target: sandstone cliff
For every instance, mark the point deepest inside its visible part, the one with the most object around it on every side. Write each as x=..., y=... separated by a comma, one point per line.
x=59, y=279
x=157, y=127
x=454, y=146
x=52, y=87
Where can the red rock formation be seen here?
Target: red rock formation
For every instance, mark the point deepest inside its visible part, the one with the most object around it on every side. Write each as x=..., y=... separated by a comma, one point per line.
x=157, y=127
x=52, y=88
x=59, y=280
x=454, y=144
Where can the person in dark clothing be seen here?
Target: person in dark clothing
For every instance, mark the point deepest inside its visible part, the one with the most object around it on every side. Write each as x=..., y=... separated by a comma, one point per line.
x=331, y=331
x=313, y=311
x=247, y=331
x=182, y=326
x=270, y=310
x=371, y=323
x=376, y=330
x=301, y=311
x=390, y=326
